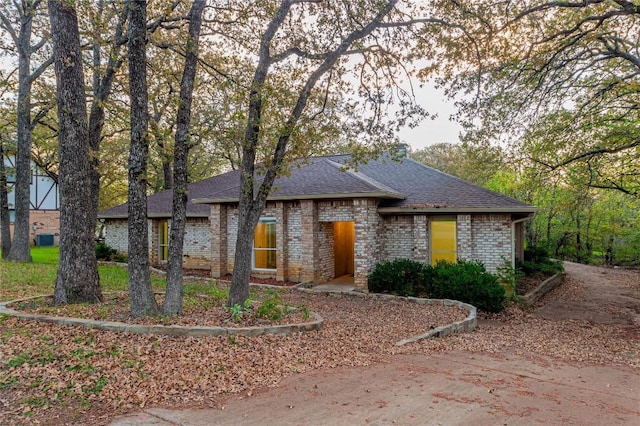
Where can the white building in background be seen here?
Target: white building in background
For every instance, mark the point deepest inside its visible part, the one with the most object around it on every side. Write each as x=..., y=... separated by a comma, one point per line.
x=44, y=215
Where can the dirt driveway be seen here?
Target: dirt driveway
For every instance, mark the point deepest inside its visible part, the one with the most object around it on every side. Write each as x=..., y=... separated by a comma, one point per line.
x=572, y=359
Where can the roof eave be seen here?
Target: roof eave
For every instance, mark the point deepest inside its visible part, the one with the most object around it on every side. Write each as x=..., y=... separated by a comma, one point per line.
x=449, y=210
x=150, y=216
x=384, y=195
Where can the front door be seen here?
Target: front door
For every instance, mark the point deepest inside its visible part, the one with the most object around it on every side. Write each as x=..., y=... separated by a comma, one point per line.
x=343, y=248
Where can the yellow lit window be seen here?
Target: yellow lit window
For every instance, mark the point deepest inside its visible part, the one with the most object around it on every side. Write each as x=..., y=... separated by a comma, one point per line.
x=443, y=241
x=163, y=240
x=264, y=245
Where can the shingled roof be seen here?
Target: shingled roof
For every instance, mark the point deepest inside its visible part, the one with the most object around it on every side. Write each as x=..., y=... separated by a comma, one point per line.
x=402, y=186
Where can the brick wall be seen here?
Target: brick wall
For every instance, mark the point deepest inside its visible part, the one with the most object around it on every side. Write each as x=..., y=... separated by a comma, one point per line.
x=305, y=243
x=154, y=240
x=335, y=211
x=218, y=239
x=325, y=252
x=368, y=239
x=232, y=231
x=398, y=237
x=309, y=250
x=486, y=238
x=294, y=240
x=491, y=239
x=45, y=222
x=116, y=234
x=464, y=237
x=197, y=243
x=421, y=251
x=197, y=240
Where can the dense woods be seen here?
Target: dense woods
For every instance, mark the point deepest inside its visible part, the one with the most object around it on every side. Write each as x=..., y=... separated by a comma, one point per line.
x=547, y=93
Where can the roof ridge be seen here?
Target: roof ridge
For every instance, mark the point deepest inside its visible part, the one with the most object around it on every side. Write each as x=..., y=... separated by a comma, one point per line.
x=366, y=179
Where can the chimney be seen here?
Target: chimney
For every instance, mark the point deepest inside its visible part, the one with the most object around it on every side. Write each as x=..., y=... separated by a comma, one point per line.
x=402, y=150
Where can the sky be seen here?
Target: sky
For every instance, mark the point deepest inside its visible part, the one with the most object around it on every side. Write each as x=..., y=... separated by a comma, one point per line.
x=440, y=129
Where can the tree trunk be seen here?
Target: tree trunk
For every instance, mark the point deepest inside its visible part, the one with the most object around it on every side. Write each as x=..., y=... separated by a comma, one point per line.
x=248, y=218
x=102, y=83
x=167, y=175
x=250, y=206
x=173, y=300
x=20, y=248
x=77, y=279
x=5, y=219
x=141, y=296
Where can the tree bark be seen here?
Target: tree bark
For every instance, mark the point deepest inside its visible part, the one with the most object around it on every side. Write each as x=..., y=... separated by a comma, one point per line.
x=77, y=279
x=173, y=300
x=141, y=296
x=5, y=229
x=20, y=248
x=102, y=84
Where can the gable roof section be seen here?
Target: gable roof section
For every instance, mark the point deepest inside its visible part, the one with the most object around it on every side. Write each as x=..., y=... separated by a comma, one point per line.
x=403, y=186
x=159, y=205
x=318, y=178
x=429, y=190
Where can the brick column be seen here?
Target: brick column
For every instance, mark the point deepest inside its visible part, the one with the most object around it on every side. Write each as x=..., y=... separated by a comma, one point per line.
x=282, y=246
x=365, y=214
x=219, y=248
x=309, y=231
x=464, y=237
x=421, y=239
x=154, y=240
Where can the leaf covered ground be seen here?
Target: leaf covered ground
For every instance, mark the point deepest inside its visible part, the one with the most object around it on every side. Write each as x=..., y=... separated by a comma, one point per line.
x=60, y=374
x=51, y=374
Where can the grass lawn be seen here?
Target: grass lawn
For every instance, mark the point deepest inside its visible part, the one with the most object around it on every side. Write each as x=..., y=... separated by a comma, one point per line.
x=19, y=280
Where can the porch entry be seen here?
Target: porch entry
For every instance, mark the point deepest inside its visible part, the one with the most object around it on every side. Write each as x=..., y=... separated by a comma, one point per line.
x=343, y=248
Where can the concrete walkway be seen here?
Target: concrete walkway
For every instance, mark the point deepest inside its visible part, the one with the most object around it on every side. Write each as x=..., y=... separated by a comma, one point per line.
x=452, y=388
x=340, y=284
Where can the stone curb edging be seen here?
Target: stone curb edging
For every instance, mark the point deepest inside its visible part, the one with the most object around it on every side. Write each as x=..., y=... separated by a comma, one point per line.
x=546, y=286
x=468, y=324
x=167, y=330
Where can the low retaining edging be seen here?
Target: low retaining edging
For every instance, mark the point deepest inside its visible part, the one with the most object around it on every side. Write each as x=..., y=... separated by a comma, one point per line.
x=546, y=286
x=468, y=324
x=169, y=330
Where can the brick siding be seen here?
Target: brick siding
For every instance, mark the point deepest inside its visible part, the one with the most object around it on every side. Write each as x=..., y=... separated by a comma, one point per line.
x=305, y=240
x=116, y=234
x=45, y=222
x=197, y=240
x=399, y=242
x=491, y=239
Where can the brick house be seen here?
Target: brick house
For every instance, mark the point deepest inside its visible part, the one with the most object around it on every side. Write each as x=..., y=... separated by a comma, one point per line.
x=323, y=221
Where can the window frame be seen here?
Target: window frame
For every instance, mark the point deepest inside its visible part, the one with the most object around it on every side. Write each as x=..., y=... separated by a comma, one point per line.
x=274, y=249
x=163, y=244
x=455, y=239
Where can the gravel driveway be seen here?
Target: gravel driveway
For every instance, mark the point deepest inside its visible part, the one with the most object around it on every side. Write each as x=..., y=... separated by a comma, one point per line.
x=574, y=358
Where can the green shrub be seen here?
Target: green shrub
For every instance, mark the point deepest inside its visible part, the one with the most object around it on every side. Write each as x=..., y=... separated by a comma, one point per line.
x=108, y=253
x=271, y=307
x=467, y=282
x=536, y=253
x=120, y=257
x=104, y=251
x=546, y=269
x=402, y=277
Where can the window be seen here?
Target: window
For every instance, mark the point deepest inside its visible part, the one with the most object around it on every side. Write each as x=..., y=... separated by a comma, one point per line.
x=163, y=240
x=443, y=241
x=264, y=245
